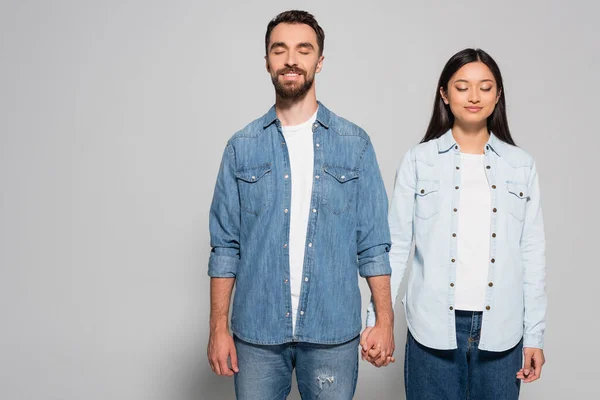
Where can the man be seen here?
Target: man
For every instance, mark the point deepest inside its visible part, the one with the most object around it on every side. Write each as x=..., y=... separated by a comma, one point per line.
x=299, y=208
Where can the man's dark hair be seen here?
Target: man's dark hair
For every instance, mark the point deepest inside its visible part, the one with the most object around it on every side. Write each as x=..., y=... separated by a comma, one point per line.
x=296, y=17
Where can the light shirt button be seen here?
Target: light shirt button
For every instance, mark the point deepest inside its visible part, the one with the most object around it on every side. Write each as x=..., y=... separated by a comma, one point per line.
x=285, y=245
x=318, y=145
x=317, y=176
x=285, y=176
x=286, y=211
x=306, y=279
x=310, y=245
x=301, y=312
x=253, y=178
x=287, y=314
x=343, y=177
x=314, y=210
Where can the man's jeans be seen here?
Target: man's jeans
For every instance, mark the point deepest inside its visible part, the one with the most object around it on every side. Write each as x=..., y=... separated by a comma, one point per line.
x=325, y=372
x=464, y=373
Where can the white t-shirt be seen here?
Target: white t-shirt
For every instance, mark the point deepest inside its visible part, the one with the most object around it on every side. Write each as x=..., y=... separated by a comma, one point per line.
x=473, y=236
x=299, y=143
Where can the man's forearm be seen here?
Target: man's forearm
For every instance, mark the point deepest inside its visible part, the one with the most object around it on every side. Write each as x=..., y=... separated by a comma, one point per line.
x=220, y=298
x=382, y=298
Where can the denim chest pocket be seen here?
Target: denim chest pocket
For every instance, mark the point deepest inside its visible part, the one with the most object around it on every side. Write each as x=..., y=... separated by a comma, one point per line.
x=517, y=199
x=255, y=187
x=339, y=188
x=427, y=202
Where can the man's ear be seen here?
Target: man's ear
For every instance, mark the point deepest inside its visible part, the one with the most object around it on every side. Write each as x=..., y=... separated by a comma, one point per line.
x=320, y=64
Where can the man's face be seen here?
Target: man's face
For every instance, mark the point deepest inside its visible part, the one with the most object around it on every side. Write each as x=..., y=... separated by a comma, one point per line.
x=293, y=59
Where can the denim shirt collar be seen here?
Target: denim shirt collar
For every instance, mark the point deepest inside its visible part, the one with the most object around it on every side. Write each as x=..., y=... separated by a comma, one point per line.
x=446, y=142
x=323, y=115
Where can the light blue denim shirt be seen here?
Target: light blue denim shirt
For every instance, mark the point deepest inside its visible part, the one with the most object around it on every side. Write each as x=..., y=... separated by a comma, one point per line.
x=424, y=210
x=347, y=232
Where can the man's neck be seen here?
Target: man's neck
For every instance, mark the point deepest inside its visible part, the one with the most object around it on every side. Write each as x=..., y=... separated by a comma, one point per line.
x=295, y=112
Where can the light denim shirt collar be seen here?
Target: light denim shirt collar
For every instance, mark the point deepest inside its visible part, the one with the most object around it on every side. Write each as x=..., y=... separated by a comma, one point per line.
x=447, y=141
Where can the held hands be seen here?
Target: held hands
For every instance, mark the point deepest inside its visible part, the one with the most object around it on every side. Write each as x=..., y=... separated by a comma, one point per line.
x=532, y=368
x=220, y=349
x=377, y=344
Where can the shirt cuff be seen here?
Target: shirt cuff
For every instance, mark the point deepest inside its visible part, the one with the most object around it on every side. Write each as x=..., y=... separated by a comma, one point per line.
x=371, y=319
x=375, y=266
x=222, y=266
x=533, y=340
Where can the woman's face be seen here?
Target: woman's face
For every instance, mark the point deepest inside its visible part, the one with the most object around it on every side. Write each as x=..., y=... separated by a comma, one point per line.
x=472, y=94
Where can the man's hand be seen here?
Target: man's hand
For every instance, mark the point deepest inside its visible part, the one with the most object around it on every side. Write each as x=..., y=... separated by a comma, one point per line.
x=377, y=344
x=532, y=369
x=220, y=348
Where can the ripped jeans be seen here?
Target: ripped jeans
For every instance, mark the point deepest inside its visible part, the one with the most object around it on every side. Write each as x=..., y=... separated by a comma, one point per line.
x=324, y=372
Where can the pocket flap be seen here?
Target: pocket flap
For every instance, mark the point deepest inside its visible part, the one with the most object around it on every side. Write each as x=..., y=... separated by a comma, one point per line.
x=518, y=189
x=342, y=174
x=253, y=174
x=425, y=187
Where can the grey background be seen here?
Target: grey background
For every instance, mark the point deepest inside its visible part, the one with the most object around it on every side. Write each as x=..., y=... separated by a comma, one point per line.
x=113, y=117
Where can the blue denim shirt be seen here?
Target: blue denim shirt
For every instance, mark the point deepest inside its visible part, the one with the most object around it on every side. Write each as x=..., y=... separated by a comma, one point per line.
x=347, y=233
x=424, y=209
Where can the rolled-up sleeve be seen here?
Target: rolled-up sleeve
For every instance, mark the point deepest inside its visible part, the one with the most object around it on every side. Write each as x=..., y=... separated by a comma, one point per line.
x=401, y=227
x=373, y=235
x=224, y=221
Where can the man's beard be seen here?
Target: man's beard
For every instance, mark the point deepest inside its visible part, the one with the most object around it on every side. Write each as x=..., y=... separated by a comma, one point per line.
x=291, y=90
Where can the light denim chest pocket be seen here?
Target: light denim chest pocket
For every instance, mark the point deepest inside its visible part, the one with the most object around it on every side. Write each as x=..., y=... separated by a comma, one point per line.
x=255, y=186
x=517, y=199
x=427, y=202
x=339, y=188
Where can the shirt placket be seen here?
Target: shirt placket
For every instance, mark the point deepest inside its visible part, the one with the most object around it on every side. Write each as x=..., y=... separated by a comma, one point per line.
x=310, y=245
x=287, y=195
x=490, y=173
x=453, y=261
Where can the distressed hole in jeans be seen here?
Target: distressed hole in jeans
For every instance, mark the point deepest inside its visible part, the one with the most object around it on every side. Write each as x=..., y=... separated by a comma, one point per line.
x=323, y=379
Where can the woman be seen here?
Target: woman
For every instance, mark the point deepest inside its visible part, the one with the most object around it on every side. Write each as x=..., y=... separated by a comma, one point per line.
x=469, y=198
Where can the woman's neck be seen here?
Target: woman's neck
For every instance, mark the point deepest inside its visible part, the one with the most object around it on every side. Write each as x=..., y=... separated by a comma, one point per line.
x=471, y=139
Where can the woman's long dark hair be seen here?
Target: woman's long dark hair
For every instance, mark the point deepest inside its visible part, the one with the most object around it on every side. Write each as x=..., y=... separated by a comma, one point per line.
x=442, y=118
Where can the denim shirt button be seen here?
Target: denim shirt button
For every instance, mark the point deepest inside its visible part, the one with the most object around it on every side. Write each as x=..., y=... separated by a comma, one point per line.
x=310, y=245
x=317, y=176
x=306, y=279
x=301, y=312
